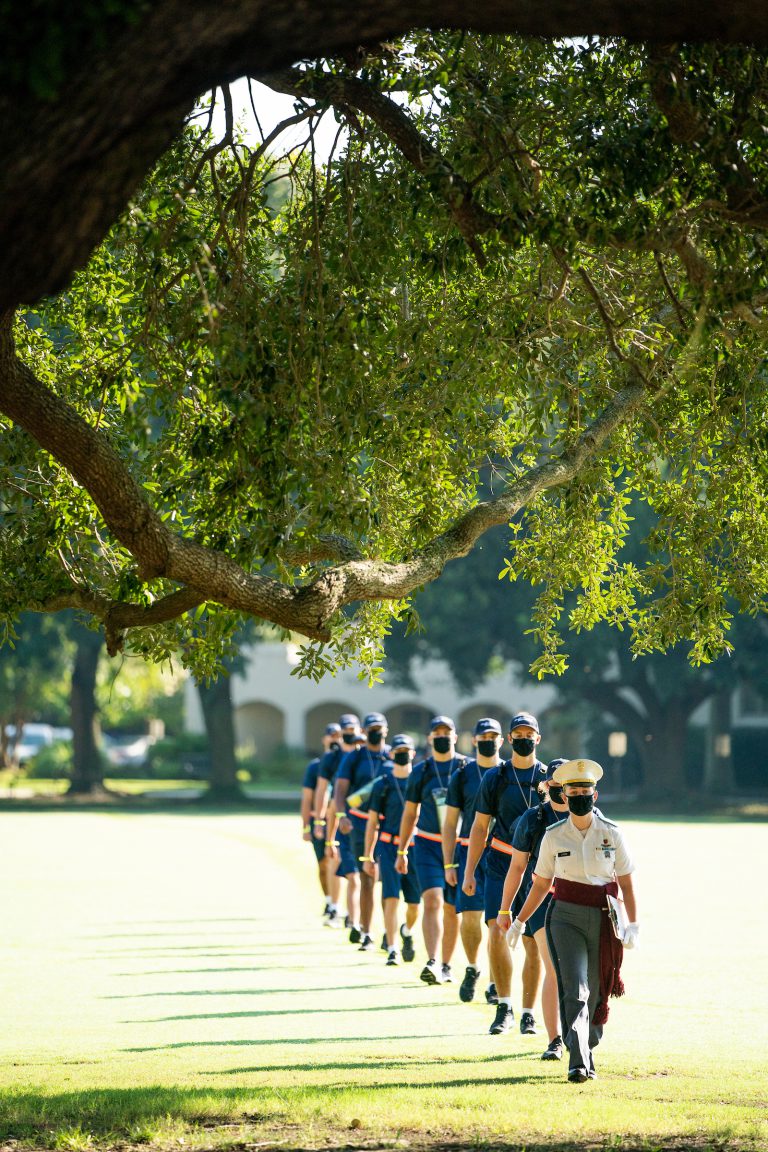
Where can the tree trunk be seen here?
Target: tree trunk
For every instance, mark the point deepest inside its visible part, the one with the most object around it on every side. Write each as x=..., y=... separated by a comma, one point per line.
x=718, y=762
x=216, y=703
x=663, y=754
x=87, y=769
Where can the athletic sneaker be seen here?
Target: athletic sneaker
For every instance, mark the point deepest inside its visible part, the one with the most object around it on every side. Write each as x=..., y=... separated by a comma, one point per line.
x=491, y=996
x=468, y=984
x=554, y=1050
x=527, y=1024
x=447, y=974
x=577, y=1076
x=431, y=974
x=502, y=1020
x=393, y=958
x=355, y=935
x=409, y=952
x=347, y=922
x=384, y=944
x=332, y=919
x=367, y=944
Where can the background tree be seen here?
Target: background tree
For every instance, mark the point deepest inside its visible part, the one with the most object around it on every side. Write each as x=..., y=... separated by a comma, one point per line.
x=33, y=664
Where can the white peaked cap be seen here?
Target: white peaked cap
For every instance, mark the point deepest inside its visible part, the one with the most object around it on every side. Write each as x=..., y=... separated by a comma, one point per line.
x=578, y=772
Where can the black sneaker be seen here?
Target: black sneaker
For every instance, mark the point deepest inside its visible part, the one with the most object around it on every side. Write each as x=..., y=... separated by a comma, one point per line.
x=384, y=944
x=554, y=1050
x=504, y=1017
x=367, y=944
x=409, y=952
x=527, y=1024
x=430, y=973
x=347, y=922
x=393, y=958
x=577, y=1076
x=468, y=985
x=355, y=935
x=491, y=995
x=447, y=974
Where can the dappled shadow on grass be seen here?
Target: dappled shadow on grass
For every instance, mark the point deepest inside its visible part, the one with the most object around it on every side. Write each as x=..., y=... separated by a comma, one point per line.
x=308, y=990
x=282, y=1040
x=320, y=1010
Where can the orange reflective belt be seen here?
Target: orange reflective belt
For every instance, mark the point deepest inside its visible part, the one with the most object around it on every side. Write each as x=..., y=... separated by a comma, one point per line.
x=388, y=838
x=463, y=841
x=360, y=815
x=500, y=846
x=430, y=836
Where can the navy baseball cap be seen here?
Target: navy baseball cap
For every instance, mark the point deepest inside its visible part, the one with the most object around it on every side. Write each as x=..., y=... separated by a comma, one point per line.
x=441, y=722
x=487, y=724
x=402, y=740
x=349, y=720
x=524, y=719
x=332, y=729
x=373, y=719
x=554, y=765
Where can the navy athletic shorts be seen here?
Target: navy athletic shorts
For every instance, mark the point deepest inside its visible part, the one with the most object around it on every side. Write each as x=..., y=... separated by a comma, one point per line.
x=347, y=857
x=536, y=920
x=428, y=857
x=466, y=903
x=319, y=845
x=392, y=883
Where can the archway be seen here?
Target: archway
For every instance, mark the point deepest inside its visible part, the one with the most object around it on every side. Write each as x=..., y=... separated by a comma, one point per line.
x=259, y=728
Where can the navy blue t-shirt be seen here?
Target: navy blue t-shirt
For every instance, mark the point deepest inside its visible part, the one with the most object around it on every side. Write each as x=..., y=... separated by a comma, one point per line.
x=360, y=767
x=506, y=800
x=427, y=776
x=388, y=799
x=462, y=792
x=528, y=834
x=310, y=776
x=329, y=763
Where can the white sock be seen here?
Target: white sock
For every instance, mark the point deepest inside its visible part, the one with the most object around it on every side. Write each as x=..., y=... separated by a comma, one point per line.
x=506, y=1000
x=529, y=1011
x=406, y=930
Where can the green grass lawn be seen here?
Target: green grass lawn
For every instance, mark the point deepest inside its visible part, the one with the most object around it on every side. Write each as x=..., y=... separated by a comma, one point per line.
x=166, y=980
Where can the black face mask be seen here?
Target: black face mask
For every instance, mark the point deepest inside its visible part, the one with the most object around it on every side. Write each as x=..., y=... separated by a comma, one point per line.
x=335, y=745
x=486, y=747
x=581, y=805
x=523, y=745
x=375, y=737
x=348, y=737
x=402, y=758
x=556, y=793
x=441, y=743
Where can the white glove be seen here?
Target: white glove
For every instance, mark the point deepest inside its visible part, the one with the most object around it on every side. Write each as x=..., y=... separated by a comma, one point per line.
x=631, y=934
x=515, y=932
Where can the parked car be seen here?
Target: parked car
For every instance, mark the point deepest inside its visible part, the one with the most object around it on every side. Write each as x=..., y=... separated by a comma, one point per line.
x=33, y=737
x=126, y=751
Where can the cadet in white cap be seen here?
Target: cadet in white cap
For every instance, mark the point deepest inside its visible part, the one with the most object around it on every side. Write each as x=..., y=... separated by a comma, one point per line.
x=586, y=857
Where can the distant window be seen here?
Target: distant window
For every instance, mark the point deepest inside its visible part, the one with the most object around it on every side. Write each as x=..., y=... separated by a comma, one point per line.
x=751, y=703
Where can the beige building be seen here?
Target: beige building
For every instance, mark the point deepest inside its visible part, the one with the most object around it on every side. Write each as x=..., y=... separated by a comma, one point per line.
x=274, y=709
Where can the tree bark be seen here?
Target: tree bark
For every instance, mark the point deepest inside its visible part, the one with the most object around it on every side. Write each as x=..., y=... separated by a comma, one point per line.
x=87, y=769
x=216, y=703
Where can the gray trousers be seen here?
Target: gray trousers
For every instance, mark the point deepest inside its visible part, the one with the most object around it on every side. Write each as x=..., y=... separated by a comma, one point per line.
x=573, y=934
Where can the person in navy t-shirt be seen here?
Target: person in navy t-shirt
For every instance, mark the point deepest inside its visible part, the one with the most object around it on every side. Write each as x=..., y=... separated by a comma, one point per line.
x=329, y=882
x=424, y=802
x=382, y=840
x=529, y=833
x=354, y=781
x=505, y=794
x=335, y=841
x=463, y=790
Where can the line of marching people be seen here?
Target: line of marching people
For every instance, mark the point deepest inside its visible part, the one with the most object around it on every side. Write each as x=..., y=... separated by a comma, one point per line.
x=469, y=841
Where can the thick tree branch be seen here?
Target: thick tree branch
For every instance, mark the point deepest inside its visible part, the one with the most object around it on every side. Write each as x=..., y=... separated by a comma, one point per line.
x=71, y=160
x=205, y=573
